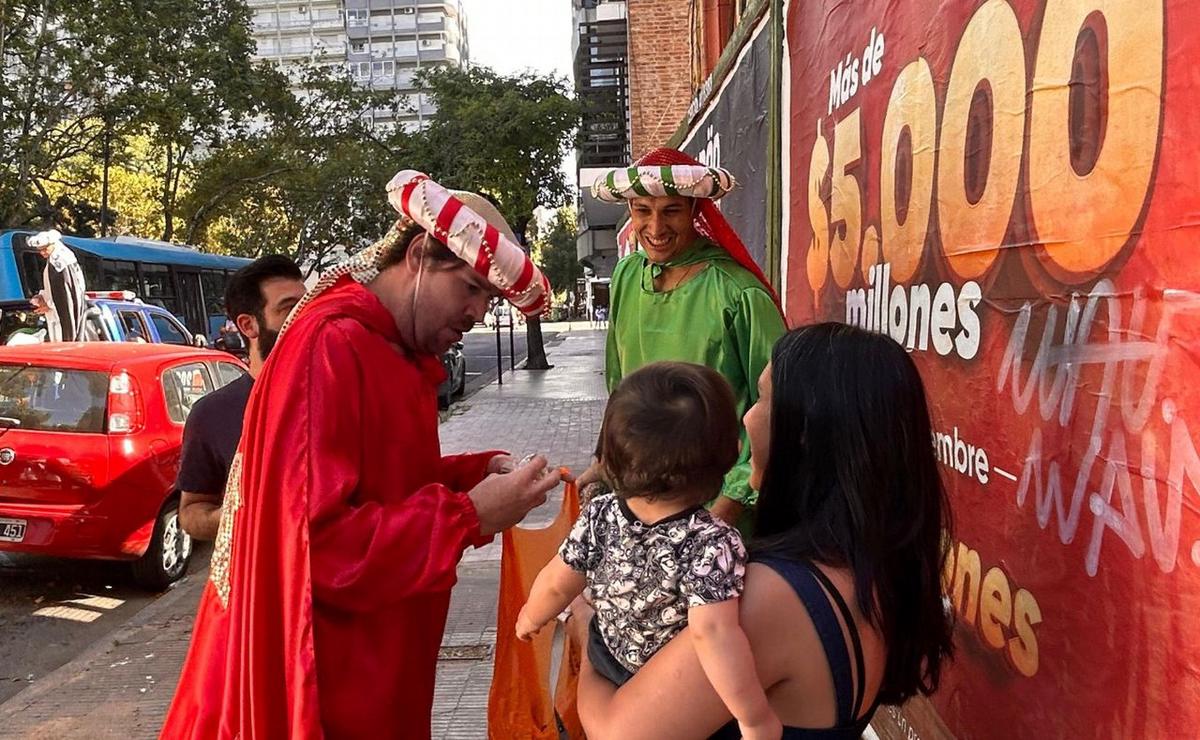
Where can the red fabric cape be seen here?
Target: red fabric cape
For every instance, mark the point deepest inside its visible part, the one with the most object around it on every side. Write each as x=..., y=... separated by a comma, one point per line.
x=252, y=669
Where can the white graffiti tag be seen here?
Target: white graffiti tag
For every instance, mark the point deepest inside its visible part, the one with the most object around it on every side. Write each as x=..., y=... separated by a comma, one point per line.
x=1131, y=364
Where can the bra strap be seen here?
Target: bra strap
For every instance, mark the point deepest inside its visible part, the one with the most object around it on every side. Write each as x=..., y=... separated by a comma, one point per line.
x=855, y=640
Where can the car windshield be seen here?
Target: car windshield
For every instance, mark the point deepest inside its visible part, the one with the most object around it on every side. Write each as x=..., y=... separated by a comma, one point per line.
x=52, y=399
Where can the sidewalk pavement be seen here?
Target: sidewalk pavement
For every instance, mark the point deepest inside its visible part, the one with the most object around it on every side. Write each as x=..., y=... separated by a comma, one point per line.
x=122, y=685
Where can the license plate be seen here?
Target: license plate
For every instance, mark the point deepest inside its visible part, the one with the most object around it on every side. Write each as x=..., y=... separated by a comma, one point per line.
x=12, y=530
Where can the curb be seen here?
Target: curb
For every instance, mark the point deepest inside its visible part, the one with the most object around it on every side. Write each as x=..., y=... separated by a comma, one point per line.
x=189, y=587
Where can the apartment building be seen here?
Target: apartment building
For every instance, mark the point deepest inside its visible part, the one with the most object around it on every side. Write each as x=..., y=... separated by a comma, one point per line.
x=382, y=43
x=601, y=61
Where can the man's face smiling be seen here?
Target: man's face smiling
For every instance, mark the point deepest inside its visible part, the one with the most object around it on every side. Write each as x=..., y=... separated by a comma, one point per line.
x=663, y=225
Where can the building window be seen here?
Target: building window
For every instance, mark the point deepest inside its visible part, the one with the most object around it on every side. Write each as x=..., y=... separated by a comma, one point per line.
x=358, y=47
x=357, y=17
x=407, y=11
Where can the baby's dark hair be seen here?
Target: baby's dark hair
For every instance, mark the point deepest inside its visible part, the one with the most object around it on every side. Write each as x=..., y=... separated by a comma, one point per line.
x=670, y=429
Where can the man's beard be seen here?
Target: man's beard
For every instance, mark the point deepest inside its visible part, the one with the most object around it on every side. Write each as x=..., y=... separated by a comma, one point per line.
x=266, y=341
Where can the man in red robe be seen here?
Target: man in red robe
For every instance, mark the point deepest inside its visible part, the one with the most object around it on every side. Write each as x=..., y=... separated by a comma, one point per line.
x=343, y=524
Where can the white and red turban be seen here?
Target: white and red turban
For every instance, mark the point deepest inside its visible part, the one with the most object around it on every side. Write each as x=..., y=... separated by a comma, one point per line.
x=474, y=234
x=467, y=224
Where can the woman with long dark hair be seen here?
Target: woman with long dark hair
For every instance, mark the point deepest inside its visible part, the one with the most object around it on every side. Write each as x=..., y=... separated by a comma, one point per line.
x=843, y=597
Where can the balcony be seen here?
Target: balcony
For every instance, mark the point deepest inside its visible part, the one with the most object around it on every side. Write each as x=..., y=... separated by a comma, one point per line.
x=393, y=24
x=293, y=27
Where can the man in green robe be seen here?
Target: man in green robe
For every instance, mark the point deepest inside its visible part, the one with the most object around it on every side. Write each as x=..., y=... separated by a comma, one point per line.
x=692, y=293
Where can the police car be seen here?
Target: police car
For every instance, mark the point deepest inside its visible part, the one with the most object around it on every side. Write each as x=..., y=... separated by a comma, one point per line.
x=112, y=316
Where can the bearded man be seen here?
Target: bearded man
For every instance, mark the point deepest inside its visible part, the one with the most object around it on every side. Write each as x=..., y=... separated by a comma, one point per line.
x=258, y=299
x=343, y=523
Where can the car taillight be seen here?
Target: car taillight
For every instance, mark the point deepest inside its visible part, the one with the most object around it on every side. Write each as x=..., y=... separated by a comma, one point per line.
x=124, y=404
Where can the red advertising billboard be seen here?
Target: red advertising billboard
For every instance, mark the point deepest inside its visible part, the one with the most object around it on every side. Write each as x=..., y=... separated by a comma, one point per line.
x=1011, y=189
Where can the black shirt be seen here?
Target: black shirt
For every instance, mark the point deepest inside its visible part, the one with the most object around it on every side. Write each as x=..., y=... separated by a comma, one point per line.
x=210, y=438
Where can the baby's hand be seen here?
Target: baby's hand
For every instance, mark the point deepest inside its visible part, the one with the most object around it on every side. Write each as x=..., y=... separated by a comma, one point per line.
x=769, y=728
x=526, y=628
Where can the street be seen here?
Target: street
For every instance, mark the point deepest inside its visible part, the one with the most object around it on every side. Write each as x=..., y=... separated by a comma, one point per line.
x=105, y=657
x=52, y=609
x=479, y=347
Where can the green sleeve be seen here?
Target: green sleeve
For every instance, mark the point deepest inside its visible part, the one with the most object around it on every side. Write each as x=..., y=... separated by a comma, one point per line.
x=612, y=356
x=612, y=352
x=757, y=325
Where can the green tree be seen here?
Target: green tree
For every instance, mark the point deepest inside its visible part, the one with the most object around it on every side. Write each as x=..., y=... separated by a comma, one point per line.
x=134, y=205
x=181, y=73
x=504, y=136
x=555, y=251
x=311, y=184
x=81, y=78
x=46, y=102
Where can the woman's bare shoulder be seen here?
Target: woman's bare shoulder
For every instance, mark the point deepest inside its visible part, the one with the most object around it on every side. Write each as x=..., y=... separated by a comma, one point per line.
x=775, y=622
x=784, y=638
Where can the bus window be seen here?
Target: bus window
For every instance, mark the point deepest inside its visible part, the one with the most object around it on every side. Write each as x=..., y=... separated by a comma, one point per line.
x=157, y=288
x=190, y=300
x=93, y=273
x=120, y=276
x=32, y=265
x=213, y=283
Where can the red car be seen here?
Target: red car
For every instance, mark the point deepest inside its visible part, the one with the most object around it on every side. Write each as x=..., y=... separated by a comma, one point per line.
x=90, y=437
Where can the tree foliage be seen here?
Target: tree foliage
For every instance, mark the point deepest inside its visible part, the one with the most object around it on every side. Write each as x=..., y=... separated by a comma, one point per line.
x=555, y=251
x=504, y=136
x=46, y=103
x=82, y=78
x=162, y=103
x=500, y=135
x=311, y=184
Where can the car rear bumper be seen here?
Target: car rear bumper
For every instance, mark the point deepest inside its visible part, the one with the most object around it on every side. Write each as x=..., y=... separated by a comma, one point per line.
x=68, y=531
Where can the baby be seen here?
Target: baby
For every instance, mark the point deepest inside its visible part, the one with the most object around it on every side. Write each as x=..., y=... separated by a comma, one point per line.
x=651, y=557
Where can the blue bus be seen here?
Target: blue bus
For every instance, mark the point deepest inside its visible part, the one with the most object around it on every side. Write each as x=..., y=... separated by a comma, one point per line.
x=186, y=282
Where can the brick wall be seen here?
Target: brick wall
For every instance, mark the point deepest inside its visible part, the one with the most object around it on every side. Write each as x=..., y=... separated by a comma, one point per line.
x=660, y=70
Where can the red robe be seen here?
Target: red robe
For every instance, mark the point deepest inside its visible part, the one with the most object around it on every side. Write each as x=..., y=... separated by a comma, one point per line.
x=345, y=541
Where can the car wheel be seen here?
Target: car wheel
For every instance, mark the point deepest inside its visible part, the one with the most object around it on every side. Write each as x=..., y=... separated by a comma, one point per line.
x=462, y=384
x=166, y=559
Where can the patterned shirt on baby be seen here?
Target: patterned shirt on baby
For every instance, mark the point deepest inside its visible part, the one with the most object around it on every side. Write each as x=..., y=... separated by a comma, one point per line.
x=642, y=578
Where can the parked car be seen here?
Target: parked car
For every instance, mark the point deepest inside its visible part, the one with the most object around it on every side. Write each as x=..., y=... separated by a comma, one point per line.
x=455, y=364
x=90, y=437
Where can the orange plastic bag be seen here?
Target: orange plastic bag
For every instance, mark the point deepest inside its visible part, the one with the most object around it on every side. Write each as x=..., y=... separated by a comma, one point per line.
x=519, y=703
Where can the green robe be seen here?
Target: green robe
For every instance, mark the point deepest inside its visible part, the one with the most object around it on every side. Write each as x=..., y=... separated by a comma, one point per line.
x=722, y=317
